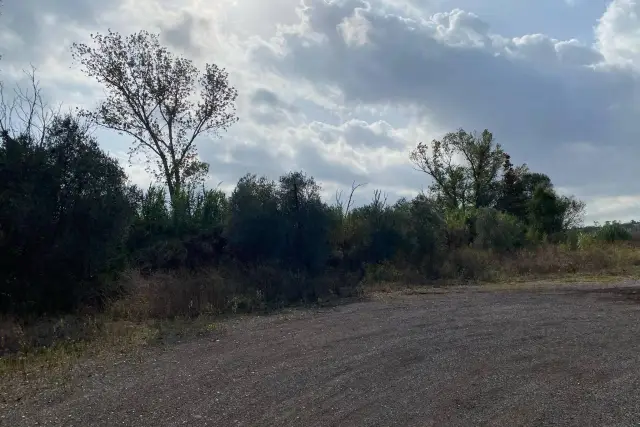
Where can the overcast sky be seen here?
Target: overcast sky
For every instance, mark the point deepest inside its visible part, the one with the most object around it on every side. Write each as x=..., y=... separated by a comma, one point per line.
x=344, y=89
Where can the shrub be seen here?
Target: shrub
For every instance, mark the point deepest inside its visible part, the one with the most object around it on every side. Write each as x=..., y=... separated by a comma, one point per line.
x=468, y=264
x=585, y=240
x=65, y=208
x=187, y=234
x=427, y=235
x=497, y=231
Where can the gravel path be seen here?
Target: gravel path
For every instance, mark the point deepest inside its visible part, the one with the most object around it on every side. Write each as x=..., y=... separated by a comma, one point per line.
x=454, y=358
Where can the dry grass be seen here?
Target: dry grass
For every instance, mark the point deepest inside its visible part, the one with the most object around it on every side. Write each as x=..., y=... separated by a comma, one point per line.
x=159, y=310
x=173, y=307
x=557, y=263
x=619, y=259
x=38, y=367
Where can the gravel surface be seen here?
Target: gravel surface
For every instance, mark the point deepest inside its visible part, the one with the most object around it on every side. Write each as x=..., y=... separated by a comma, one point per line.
x=467, y=357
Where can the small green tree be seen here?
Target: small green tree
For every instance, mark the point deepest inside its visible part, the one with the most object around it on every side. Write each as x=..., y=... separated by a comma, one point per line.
x=254, y=230
x=513, y=198
x=546, y=212
x=307, y=222
x=428, y=233
x=573, y=209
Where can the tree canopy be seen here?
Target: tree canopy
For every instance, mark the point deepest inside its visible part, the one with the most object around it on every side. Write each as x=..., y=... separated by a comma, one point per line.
x=160, y=100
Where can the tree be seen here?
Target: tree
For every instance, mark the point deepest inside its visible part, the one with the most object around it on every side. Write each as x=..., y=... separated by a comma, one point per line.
x=307, y=222
x=25, y=113
x=428, y=233
x=464, y=167
x=498, y=231
x=573, y=212
x=449, y=186
x=65, y=208
x=532, y=180
x=160, y=100
x=254, y=230
x=512, y=199
x=546, y=211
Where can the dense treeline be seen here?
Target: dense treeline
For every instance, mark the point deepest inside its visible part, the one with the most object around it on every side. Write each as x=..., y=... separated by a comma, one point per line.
x=71, y=223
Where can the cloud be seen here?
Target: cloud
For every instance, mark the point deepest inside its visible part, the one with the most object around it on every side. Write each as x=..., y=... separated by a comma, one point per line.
x=537, y=94
x=270, y=110
x=618, y=33
x=180, y=34
x=343, y=89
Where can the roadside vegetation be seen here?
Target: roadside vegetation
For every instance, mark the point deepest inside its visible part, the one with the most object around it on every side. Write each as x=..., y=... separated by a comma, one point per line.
x=90, y=262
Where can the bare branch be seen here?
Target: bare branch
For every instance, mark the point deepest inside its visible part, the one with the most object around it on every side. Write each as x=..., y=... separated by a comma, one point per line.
x=26, y=113
x=340, y=203
x=354, y=187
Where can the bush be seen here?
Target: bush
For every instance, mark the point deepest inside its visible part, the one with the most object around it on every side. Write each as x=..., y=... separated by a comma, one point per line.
x=497, y=231
x=283, y=224
x=69, y=222
x=65, y=208
x=186, y=235
x=427, y=235
x=468, y=264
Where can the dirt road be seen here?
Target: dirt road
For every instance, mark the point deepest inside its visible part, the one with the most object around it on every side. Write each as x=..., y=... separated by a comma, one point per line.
x=456, y=358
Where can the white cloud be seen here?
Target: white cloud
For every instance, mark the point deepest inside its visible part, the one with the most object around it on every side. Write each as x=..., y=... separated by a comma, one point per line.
x=618, y=33
x=621, y=208
x=344, y=88
x=355, y=28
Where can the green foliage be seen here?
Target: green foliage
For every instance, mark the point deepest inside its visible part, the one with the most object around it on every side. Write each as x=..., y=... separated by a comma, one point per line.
x=472, y=184
x=612, y=231
x=585, y=240
x=498, y=231
x=183, y=234
x=378, y=233
x=65, y=208
x=459, y=227
x=306, y=223
x=427, y=235
x=254, y=232
x=284, y=224
x=513, y=190
x=68, y=219
x=546, y=212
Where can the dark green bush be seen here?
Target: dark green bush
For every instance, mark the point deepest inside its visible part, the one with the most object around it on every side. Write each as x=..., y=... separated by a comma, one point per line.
x=498, y=231
x=65, y=208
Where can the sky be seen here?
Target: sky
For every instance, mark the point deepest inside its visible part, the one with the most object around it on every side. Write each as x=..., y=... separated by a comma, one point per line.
x=344, y=89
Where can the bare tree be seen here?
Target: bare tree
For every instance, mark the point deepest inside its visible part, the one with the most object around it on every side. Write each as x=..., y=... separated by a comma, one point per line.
x=161, y=100
x=340, y=203
x=25, y=112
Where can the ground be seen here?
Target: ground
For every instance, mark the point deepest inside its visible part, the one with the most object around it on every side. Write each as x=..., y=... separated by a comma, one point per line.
x=500, y=356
